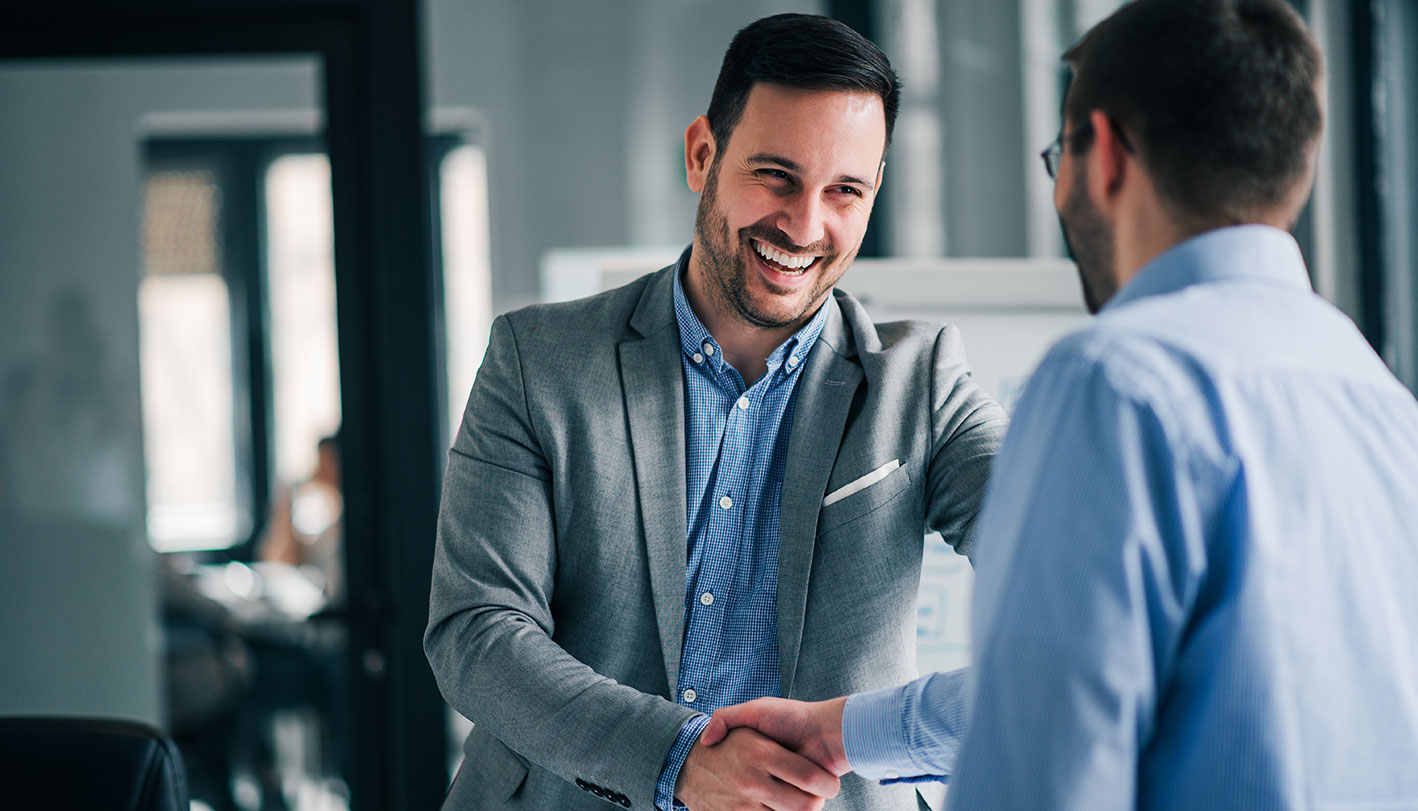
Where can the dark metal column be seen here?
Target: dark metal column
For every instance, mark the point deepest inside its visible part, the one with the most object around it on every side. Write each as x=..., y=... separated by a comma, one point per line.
x=384, y=279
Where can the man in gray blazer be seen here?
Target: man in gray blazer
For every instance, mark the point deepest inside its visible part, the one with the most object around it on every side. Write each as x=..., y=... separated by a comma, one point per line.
x=711, y=484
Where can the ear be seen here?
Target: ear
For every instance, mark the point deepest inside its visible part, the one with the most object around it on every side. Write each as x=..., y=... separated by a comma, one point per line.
x=699, y=150
x=1110, y=162
x=880, y=173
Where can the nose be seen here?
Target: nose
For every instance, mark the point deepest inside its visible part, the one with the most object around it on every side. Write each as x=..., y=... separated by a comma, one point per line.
x=803, y=219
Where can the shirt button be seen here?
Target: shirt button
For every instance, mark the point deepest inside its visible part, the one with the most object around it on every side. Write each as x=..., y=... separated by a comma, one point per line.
x=793, y=361
x=708, y=348
x=706, y=598
x=726, y=502
x=698, y=358
x=690, y=696
x=892, y=775
x=743, y=402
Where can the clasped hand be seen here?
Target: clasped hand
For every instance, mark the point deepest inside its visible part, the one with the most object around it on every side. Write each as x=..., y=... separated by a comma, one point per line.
x=771, y=752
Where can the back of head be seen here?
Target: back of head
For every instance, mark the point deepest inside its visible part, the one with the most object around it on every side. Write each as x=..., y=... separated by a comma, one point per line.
x=804, y=51
x=1223, y=97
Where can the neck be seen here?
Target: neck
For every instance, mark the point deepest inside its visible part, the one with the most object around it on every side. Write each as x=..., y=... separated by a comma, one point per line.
x=1145, y=229
x=746, y=346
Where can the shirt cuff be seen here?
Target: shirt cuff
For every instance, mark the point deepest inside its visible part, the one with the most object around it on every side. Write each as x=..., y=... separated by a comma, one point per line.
x=674, y=761
x=871, y=734
x=909, y=733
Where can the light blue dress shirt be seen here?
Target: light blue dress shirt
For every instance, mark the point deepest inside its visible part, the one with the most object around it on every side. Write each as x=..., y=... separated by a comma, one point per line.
x=1197, y=568
x=736, y=449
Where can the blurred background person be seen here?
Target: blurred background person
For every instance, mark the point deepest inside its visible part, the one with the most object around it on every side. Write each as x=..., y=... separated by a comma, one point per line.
x=306, y=524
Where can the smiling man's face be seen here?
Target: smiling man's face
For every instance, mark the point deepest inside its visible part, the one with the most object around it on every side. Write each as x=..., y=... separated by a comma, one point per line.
x=784, y=206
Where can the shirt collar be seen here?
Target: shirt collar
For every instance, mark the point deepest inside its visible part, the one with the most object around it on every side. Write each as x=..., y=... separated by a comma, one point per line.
x=699, y=345
x=1252, y=252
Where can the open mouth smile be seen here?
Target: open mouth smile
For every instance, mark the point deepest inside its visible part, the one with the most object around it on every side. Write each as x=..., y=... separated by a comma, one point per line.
x=784, y=263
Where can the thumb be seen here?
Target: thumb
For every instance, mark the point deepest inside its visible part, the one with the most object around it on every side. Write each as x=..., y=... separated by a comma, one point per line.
x=716, y=731
x=727, y=718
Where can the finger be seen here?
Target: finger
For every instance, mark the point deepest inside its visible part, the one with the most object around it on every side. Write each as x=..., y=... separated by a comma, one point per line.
x=739, y=715
x=716, y=731
x=801, y=773
x=784, y=797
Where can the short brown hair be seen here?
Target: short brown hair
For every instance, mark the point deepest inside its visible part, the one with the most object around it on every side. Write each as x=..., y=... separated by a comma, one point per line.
x=1222, y=96
x=805, y=51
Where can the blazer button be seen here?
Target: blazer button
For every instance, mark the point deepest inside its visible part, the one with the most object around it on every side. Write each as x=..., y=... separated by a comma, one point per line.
x=582, y=784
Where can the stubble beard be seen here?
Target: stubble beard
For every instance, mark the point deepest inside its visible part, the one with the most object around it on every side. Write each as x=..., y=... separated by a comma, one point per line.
x=1089, y=239
x=728, y=273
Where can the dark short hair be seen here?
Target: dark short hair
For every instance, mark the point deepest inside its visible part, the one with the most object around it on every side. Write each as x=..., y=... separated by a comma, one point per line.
x=805, y=51
x=1222, y=97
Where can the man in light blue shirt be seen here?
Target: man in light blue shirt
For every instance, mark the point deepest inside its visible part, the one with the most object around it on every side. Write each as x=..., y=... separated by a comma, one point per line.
x=1198, y=562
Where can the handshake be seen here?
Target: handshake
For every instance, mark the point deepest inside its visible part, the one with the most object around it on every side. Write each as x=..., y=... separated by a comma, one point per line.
x=772, y=752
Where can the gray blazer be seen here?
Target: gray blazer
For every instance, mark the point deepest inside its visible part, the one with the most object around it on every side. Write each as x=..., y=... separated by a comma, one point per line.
x=557, y=606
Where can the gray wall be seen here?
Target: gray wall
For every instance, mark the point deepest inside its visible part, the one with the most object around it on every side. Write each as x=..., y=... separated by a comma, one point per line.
x=78, y=596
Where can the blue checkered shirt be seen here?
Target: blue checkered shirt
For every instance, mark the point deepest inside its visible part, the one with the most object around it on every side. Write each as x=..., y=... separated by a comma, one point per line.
x=736, y=448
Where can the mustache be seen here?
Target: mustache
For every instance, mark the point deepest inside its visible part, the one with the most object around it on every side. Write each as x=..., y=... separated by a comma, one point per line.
x=777, y=239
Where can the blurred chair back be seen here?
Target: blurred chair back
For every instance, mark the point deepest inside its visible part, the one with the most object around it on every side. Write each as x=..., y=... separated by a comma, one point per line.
x=89, y=765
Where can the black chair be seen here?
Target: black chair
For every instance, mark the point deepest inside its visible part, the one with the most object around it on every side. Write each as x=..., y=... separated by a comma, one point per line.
x=81, y=764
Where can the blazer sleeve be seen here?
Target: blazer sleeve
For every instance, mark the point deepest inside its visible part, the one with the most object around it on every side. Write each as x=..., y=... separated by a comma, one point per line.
x=489, y=637
x=967, y=430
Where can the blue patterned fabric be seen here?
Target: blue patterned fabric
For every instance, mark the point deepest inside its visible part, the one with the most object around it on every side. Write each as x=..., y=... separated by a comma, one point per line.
x=736, y=447
x=1196, y=565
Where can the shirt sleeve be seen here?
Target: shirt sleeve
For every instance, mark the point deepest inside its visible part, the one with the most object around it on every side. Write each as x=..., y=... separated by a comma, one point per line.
x=910, y=733
x=1090, y=551
x=674, y=761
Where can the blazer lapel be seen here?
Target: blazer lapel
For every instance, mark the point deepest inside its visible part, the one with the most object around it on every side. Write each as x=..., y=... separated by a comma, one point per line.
x=824, y=396
x=652, y=381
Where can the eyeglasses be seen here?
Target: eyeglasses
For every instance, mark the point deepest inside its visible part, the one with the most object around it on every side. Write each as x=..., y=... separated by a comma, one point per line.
x=1053, y=153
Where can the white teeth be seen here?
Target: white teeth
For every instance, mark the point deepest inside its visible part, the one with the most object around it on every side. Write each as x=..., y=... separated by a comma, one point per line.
x=786, y=260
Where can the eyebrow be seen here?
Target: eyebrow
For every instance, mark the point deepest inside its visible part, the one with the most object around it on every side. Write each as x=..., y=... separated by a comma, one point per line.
x=792, y=166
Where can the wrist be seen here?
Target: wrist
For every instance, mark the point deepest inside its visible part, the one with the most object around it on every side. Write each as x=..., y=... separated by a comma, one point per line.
x=671, y=772
x=832, y=715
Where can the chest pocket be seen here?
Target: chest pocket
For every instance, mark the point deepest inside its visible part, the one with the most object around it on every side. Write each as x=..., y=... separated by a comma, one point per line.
x=863, y=502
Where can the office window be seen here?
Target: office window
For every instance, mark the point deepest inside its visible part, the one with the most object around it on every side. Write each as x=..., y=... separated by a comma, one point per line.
x=241, y=383
x=300, y=278
x=185, y=350
x=467, y=269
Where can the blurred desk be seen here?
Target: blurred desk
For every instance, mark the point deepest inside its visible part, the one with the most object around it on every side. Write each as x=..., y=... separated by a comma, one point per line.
x=290, y=718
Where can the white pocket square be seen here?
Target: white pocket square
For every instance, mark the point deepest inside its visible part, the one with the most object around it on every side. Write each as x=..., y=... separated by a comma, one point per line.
x=858, y=485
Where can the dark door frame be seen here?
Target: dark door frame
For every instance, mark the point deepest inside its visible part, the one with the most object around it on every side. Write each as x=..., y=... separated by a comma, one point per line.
x=372, y=83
